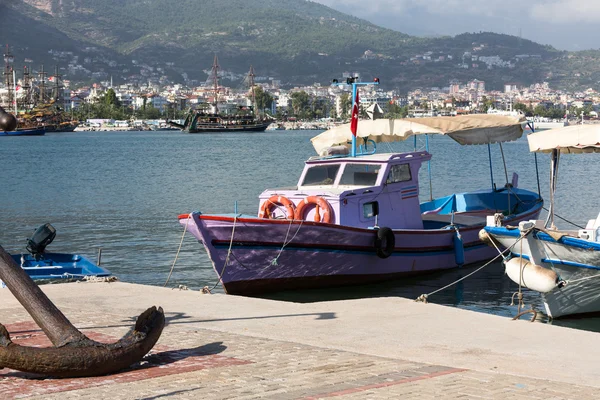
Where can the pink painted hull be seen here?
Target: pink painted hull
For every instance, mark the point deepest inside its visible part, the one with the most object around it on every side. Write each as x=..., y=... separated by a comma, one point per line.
x=253, y=255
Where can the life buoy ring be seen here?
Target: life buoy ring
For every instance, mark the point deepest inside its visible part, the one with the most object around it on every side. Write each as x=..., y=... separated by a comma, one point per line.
x=320, y=203
x=385, y=241
x=272, y=202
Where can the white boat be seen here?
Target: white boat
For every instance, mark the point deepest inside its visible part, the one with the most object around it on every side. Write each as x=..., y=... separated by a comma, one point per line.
x=563, y=265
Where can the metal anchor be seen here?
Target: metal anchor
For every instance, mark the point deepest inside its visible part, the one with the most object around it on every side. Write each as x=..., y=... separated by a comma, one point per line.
x=73, y=354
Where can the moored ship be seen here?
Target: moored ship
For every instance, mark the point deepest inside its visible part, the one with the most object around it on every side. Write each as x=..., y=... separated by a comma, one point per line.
x=242, y=119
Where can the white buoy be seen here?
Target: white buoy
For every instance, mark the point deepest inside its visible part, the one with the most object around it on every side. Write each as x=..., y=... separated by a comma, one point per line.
x=533, y=277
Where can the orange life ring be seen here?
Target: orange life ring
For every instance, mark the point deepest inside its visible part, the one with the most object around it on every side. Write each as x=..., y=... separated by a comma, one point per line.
x=319, y=202
x=274, y=201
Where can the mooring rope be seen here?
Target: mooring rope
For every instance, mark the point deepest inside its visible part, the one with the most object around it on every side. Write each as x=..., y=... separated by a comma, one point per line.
x=285, y=241
x=187, y=221
x=423, y=298
x=226, y=258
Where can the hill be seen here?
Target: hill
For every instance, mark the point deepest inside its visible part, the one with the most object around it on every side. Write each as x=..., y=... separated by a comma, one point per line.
x=295, y=41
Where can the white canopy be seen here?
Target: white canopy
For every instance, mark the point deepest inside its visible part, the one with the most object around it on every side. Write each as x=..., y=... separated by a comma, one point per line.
x=468, y=129
x=570, y=139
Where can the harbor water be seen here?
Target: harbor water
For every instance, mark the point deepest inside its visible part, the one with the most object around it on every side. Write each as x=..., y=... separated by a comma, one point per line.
x=122, y=192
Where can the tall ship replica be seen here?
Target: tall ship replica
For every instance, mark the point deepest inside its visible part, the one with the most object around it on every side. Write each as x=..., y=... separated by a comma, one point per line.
x=35, y=104
x=242, y=119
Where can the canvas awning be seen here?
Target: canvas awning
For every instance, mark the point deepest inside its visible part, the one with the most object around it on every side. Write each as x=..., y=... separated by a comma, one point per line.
x=570, y=139
x=467, y=129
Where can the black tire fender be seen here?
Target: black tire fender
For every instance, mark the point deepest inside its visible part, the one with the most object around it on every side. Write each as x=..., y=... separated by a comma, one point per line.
x=385, y=241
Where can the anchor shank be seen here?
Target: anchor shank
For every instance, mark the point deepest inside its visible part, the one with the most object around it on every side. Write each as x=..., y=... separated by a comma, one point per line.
x=53, y=322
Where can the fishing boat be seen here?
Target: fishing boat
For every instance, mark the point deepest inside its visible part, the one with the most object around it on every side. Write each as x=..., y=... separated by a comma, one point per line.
x=242, y=119
x=562, y=265
x=41, y=265
x=354, y=217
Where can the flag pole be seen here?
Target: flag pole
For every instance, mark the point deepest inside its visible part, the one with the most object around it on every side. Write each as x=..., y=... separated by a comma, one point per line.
x=354, y=104
x=354, y=82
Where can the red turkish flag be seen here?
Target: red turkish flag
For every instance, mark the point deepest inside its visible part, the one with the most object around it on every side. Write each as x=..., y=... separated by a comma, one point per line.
x=354, y=122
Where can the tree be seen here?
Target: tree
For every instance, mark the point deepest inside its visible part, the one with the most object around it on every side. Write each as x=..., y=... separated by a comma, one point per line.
x=300, y=103
x=395, y=111
x=110, y=98
x=263, y=99
x=486, y=104
x=345, y=104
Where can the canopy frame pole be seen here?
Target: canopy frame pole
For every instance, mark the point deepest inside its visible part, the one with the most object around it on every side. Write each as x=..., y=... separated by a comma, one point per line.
x=555, y=158
x=428, y=168
x=537, y=171
x=491, y=169
x=353, y=104
x=506, y=175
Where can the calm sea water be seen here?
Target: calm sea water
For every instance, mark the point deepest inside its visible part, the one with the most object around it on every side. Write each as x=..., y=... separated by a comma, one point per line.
x=123, y=191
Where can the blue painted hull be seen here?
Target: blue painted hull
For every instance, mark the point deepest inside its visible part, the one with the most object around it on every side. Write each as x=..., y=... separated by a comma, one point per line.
x=24, y=132
x=59, y=266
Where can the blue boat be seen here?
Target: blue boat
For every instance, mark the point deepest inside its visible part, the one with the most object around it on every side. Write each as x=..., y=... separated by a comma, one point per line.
x=40, y=265
x=24, y=132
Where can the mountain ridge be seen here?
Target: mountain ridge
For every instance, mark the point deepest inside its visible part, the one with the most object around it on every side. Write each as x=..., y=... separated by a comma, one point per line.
x=293, y=41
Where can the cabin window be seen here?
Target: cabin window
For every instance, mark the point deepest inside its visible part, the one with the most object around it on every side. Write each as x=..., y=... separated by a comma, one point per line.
x=360, y=174
x=399, y=173
x=321, y=175
x=371, y=209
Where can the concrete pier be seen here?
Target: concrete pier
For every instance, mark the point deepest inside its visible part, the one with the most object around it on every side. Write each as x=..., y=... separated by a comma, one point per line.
x=229, y=347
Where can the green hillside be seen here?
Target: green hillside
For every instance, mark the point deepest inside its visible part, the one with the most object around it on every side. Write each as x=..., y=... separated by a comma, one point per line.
x=295, y=41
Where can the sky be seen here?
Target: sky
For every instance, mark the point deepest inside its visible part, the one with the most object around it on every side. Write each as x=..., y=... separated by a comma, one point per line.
x=563, y=24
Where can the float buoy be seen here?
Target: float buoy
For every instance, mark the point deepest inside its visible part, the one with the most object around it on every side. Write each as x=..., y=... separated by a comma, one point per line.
x=533, y=277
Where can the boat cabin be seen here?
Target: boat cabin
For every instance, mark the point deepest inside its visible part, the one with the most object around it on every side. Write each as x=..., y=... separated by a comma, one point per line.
x=364, y=191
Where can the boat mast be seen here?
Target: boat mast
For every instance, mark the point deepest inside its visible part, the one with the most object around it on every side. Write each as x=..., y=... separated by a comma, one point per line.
x=8, y=73
x=251, y=83
x=15, y=87
x=215, y=77
x=56, y=95
x=26, y=86
x=42, y=86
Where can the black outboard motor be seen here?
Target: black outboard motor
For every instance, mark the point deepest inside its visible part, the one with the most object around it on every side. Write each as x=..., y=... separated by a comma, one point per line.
x=42, y=237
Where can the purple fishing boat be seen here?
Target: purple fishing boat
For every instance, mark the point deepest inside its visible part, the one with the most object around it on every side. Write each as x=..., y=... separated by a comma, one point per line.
x=355, y=219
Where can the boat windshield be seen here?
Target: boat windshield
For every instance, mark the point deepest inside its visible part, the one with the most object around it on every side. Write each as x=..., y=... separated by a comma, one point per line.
x=321, y=175
x=360, y=174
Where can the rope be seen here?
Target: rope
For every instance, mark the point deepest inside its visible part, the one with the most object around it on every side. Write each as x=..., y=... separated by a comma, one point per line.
x=582, y=279
x=187, y=221
x=565, y=220
x=423, y=298
x=285, y=242
x=226, y=258
x=521, y=268
x=531, y=311
x=99, y=279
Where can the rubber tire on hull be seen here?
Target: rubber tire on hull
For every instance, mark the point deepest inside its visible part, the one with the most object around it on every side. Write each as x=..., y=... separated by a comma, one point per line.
x=385, y=241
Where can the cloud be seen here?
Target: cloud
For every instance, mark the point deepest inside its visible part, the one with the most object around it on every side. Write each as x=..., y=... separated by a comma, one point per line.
x=567, y=11
x=566, y=24
x=556, y=11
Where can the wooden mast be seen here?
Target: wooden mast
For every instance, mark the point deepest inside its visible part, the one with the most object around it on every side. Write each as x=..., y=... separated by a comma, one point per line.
x=215, y=77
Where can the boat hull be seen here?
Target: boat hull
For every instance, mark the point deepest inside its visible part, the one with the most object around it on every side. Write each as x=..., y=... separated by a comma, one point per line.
x=55, y=266
x=253, y=255
x=218, y=128
x=576, y=261
x=24, y=132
